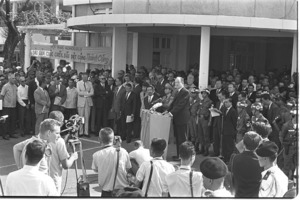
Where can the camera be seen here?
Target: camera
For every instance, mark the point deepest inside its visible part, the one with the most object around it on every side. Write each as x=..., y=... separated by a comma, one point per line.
x=117, y=141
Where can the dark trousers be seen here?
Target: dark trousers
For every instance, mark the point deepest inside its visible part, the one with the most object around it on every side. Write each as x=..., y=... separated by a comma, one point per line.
x=180, y=132
x=23, y=117
x=106, y=193
x=69, y=112
x=137, y=126
x=10, y=122
x=127, y=128
x=216, y=137
x=118, y=126
x=228, y=146
x=101, y=118
x=32, y=119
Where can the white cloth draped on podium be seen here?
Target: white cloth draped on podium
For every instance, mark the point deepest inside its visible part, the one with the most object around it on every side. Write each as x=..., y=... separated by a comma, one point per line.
x=155, y=125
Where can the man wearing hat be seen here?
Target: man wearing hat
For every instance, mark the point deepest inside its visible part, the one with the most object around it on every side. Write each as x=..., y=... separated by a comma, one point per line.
x=203, y=114
x=214, y=171
x=288, y=138
x=243, y=120
x=245, y=168
x=274, y=182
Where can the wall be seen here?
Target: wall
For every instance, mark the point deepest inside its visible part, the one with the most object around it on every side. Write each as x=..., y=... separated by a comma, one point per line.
x=129, y=48
x=279, y=9
x=145, y=50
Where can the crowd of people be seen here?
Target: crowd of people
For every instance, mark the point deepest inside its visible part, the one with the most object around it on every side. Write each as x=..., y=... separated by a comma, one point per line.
x=247, y=118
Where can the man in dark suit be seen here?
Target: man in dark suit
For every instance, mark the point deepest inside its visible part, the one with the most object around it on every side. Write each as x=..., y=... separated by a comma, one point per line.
x=137, y=119
x=245, y=168
x=233, y=94
x=58, y=95
x=214, y=92
x=160, y=86
x=229, y=129
x=272, y=111
x=32, y=86
x=110, y=97
x=150, y=100
x=218, y=123
x=251, y=94
x=179, y=109
x=128, y=107
x=101, y=94
x=119, y=94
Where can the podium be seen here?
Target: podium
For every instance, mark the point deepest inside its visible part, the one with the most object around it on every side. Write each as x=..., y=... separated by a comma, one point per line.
x=155, y=125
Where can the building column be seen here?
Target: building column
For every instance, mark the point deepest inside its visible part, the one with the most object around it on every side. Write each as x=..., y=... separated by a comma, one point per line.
x=87, y=43
x=27, y=52
x=295, y=54
x=119, y=49
x=204, y=57
x=135, y=48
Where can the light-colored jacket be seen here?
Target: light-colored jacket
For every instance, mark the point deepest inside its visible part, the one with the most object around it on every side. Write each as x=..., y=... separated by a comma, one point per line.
x=85, y=92
x=41, y=98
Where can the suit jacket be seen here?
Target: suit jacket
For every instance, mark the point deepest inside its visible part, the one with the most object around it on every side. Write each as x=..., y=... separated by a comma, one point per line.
x=137, y=90
x=205, y=105
x=32, y=86
x=217, y=122
x=252, y=97
x=101, y=95
x=230, y=121
x=214, y=96
x=247, y=174
x=160, y=88
x=118, y=99
x=128, y=105
x=85, y=92
x=272, y=113
x=42, y=99
x=62, y=93
x=110, y=96
x=147, y=104
x=180, y=107
x=234, y=98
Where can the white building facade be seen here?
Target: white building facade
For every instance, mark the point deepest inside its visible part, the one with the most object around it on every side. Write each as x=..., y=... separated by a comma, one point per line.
x=251, y=35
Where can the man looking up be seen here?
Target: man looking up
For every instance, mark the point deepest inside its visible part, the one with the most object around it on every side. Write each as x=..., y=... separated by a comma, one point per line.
x=29, y=181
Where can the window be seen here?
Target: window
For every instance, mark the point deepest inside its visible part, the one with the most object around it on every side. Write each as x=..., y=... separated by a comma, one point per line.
x=100, y=40
x=155, y=43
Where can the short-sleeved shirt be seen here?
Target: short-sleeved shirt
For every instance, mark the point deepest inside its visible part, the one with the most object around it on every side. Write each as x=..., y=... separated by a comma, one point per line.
x=59, y=153
x=161, y=168
x=9, y=91
x=29, y=181
x=71, y=100
x=105, y=161
x=178, y=183
x=274, y=183
x=140, y=155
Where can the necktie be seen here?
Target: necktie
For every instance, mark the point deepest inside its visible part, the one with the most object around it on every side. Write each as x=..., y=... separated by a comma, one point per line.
x=149, y=99
x=84, y=85
x=127, y=95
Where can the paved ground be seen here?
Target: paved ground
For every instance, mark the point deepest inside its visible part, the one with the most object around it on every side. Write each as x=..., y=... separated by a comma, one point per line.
x=90, y=146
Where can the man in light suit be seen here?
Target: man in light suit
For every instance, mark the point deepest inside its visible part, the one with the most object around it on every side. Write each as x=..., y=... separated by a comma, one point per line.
x=42, y=104
x=179, y=109
x=119, y=94
x=84, y=103
x=59, y=91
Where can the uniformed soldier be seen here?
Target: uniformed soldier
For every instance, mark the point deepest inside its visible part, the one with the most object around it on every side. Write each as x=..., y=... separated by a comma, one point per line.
x=288, y=138
x=257, y=109
x=192, y=127
x=274, y=182
x=204, y=114
x=242, y=122
x=214, y=171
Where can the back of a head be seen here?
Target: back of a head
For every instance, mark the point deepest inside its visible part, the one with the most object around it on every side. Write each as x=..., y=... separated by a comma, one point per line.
x=251, y=140
x=106, y=135
x=158, y=146
x=262, y=129
x=57, y=115
x=186, y=150
x=48, y=125
x=35, y=151
x=138, y=143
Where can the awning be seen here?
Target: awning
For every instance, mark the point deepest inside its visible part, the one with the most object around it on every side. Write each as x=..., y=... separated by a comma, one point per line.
x=48, y=29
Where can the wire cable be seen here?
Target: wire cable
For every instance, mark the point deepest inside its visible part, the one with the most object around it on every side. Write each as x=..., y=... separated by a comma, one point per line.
x=65, y=183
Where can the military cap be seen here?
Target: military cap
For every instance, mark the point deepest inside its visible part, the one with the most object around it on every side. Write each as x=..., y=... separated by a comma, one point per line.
x=194, y=90
x=213, y=168
x=267, y=149
x=257, y=106
x=242, y=104
x=205, y=90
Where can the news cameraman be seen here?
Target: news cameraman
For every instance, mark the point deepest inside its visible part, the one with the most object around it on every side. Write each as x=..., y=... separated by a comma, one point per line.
x=288, y=138
x=105, y=163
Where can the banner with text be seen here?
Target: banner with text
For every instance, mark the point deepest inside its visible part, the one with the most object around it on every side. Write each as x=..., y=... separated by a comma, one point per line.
x=101, y=55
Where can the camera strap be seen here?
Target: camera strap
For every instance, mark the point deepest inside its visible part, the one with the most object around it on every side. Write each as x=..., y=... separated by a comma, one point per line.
x=117, y=167
x=149, y=180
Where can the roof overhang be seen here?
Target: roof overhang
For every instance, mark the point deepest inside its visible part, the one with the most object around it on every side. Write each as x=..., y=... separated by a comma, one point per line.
x=180, y=20
x=49, y=29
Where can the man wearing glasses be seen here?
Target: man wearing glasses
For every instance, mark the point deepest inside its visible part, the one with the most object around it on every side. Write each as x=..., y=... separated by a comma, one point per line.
x=23, y=105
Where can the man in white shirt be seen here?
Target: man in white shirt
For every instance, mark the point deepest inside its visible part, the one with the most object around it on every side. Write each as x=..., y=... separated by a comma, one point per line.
x=274, y=182
x=140, y=154
x=161, y=168
x=29, y=181
x=22, y=94
x=70, y=104
x=184, y=182
x=105, y=162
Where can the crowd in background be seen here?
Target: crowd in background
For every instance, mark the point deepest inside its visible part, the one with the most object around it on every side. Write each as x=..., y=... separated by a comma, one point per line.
x=232, y=104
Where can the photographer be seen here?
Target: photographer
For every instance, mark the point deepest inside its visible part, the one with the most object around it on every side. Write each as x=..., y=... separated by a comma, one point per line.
x=29, y=181
x=105, y=163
